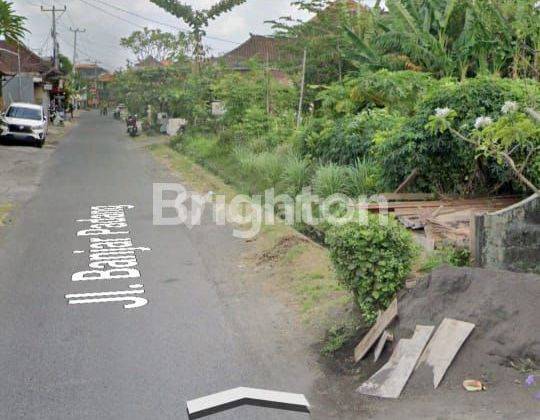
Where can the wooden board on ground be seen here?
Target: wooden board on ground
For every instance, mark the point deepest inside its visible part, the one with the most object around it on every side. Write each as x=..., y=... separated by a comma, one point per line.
x=409, y=196
x=411, y=207
x=389, y=381
x=443, y=347
x=386, y=336
x=375, y=332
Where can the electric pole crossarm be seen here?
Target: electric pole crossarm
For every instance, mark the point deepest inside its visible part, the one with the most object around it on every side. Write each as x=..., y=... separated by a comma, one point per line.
x=75, y=32
x=54, y=34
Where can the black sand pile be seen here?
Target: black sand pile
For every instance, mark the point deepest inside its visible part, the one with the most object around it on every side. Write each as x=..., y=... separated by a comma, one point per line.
x=503, y=305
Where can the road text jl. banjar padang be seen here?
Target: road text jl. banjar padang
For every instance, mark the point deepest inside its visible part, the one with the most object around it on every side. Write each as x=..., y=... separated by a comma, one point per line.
x=111, y=256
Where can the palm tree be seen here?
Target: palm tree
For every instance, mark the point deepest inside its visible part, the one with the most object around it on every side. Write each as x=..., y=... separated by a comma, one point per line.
x=11, y=25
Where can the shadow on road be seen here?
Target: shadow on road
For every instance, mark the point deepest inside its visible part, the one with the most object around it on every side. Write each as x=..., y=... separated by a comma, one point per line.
x=10, y=141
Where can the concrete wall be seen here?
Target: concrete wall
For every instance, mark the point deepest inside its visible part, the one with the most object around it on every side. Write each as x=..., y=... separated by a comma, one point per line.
x=12, y=93
x=510, y=238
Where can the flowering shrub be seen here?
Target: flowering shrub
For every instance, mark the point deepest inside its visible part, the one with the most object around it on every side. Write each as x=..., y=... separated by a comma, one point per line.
x=446, y=163
x=513, y=140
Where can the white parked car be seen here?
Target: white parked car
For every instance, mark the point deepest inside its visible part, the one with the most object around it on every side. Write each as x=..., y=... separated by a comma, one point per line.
x=25, y=122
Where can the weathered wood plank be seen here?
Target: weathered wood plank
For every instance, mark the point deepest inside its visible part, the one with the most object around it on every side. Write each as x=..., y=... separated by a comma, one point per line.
x=409, y=196
x=375, y=332
x=389, y=381
x=443, y=347
x=386, y=336
x=409, y=180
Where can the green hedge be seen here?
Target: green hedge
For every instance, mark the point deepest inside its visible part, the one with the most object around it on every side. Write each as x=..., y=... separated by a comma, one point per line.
x=446, y=163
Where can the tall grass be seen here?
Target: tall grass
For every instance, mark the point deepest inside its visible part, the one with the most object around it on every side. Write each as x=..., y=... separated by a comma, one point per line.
x=268, y=171
x=296, y=175
x=362, y=178
x=330, y=179
x=260, y=171
x=245, y=158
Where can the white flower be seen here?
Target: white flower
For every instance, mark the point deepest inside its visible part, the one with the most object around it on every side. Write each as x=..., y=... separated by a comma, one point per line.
x=442, y=112
x=537, y=5
x=482, y=122
x=510, y=107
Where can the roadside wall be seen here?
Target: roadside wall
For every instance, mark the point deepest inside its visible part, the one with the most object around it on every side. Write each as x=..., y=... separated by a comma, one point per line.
x=510, y=238
x=12, y=93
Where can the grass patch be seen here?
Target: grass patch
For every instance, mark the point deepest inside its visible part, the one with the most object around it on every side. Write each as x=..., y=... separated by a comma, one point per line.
x=314, y=289
x=5, y=208
x=192, y=173
x=338, y=336
x=457, y=257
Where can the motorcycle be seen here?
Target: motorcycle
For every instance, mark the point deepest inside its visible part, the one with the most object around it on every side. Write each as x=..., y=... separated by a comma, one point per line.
x=132, y=125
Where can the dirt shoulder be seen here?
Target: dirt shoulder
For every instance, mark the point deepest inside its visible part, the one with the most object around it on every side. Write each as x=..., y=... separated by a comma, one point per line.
x=21, y=168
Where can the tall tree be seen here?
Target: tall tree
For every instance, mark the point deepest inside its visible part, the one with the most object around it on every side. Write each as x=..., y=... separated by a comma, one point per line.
x=66, y=66
x=11, y=24
x=197, y=20
x=322, y=36
x=157, y=44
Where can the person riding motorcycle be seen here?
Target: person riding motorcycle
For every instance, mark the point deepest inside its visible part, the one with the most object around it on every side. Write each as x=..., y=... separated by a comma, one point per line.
x=131, y=123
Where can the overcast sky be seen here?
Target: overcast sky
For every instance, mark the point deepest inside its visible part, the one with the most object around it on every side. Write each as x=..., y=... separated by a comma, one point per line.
x=106, y=23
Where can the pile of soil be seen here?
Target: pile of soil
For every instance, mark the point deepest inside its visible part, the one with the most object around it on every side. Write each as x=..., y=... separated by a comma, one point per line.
x=502, y=305
x=281, y=248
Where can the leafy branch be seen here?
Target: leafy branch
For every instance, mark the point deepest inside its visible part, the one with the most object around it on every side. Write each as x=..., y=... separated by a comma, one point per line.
x=197, y=20
x=514, y=132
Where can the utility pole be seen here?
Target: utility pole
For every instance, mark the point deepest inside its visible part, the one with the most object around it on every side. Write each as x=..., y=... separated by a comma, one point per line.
x=96, y=95
x=267, y=71
x=19, y=68
x=302, y=87
x=54, y=35
x=75, y=32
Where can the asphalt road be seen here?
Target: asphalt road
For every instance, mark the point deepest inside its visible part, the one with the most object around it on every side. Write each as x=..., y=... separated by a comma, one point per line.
x=196, y=335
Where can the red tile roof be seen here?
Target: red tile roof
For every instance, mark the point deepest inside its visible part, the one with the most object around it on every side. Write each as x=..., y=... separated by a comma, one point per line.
x=259, y=47
x=30, y=62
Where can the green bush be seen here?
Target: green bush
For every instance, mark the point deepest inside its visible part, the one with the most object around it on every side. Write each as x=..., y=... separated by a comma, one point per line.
x=396, y=90
x=372, y=260
x=330, y=179
x=449, y=255
x=344, y=140
x=446, y=163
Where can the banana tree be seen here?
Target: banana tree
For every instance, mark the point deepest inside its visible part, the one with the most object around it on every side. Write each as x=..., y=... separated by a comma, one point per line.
x=451, y=37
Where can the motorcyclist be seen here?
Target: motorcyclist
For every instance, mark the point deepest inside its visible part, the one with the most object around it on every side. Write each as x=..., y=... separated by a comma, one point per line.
x=131, y=123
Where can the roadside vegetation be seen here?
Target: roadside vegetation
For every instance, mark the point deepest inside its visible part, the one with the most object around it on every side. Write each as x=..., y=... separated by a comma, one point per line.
x=447, y=88
x=5, y=209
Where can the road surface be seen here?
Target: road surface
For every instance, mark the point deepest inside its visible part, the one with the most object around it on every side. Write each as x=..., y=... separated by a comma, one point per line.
x=195, y=336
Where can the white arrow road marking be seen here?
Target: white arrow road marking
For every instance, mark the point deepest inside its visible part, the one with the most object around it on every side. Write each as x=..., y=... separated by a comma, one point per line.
x=225, y=400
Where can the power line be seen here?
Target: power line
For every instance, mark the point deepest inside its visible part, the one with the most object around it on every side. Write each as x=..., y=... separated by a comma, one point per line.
x=94, y=43
x=75, y=33
x=111, y=14
x=54, y=33
x=140, y=16
x=88, y=56
x=147, y=19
